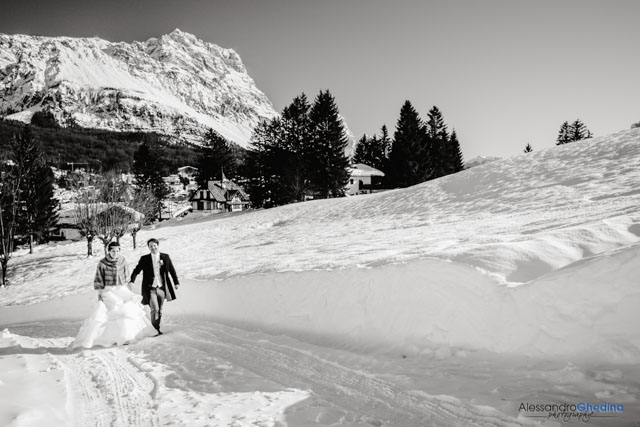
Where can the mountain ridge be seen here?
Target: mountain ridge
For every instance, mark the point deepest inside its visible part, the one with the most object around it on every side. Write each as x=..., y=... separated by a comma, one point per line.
x=176, y=85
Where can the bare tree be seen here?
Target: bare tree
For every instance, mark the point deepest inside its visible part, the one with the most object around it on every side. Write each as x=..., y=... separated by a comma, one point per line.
x=12, y=174
x=9, y=203
x=112, y=219
x=145, y=203
x=106, y=211
x=86, y=209
x=112, y=222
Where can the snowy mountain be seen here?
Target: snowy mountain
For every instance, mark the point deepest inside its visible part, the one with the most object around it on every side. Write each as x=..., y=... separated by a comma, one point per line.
x=175, y=85
x=449, y=303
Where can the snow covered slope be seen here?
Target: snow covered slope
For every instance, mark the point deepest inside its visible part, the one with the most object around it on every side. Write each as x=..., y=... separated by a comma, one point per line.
x=480, y=160
x=175, y=85
x=448, y=303
x=510, y=229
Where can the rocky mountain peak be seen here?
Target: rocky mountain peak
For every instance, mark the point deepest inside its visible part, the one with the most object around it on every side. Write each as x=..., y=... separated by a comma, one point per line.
x=177, y=85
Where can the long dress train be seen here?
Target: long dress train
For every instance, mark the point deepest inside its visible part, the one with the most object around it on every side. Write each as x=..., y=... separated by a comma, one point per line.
x=118, y=319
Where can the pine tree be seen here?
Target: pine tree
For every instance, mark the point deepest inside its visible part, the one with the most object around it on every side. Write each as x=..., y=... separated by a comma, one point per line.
x=385, y=141
x=275, y=175
x=215, y=158
x=456, y=161
x=38, y=214
x=378, y=158
x=404, y=159
x=385, y=145
x=579, y=131
x=528, y=148
x=436, y=128
x=257, y=168
x=17, y=182
x=437, y=155
x=297, y=141
x=279, y=168
x=329, y=164
x=301, y=151
x=565, y=134
x=147, y=168
x=41, y=207
x=371, y=152
x=360, y=155
x=297, y=127
x=576, y=131
x=287, y=180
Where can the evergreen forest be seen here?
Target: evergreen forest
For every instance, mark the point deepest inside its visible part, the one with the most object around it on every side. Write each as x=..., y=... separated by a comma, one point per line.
x=97, y=150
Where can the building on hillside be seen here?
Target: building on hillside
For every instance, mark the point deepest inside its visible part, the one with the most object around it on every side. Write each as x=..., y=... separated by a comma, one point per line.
x=172, y=180
x=220, y=196
x=363, y=179
x=67, y=226
x=189, y=172
x=187, y=176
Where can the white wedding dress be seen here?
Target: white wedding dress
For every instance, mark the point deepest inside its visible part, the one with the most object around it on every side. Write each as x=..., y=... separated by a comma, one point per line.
x=115, y=320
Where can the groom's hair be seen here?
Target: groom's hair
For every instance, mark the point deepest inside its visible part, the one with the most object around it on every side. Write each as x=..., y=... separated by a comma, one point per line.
x=113, y=245
x=153, y=240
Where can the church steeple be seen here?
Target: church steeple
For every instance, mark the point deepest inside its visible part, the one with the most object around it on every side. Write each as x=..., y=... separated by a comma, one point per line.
x=223, y=178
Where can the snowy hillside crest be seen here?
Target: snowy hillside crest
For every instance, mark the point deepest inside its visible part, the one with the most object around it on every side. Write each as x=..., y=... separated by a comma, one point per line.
x=176, y=85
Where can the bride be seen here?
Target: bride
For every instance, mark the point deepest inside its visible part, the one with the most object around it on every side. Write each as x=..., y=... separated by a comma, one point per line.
x=118, y=317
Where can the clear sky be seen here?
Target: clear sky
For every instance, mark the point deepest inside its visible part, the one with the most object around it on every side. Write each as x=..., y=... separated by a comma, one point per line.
x=503, y=72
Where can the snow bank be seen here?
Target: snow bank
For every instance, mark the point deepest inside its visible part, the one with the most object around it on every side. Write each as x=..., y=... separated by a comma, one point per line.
x=34, y=387
x=585, y=311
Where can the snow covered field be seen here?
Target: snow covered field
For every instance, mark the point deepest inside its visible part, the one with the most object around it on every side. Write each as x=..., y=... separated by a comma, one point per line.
x=452, y=302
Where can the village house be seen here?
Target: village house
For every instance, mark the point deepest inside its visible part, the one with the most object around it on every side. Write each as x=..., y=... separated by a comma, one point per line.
x=363, y=179
x=188, y=172
x=67, y=227
x=172, y=180
x=221, y=196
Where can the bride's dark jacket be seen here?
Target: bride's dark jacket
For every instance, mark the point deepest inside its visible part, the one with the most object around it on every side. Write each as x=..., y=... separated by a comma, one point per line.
x=168, y=277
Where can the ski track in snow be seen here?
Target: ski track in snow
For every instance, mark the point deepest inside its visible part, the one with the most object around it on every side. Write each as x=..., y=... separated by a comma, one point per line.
x=137, y=386
x=367, y=400
x=105, y=389
x=102, y=386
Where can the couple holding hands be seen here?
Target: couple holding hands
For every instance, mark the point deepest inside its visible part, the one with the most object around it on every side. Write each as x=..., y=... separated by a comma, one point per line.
x=118, y=317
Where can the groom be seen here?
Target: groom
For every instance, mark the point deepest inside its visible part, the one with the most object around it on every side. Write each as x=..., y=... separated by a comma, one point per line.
x=157, y=285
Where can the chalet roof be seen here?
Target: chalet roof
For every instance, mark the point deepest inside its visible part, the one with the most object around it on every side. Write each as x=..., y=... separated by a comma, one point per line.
x=187, y=168
x=222, y=191
x=360, y=169
x=67, y=215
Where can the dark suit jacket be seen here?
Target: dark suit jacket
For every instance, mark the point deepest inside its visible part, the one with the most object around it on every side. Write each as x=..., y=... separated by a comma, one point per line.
x=167, y=273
